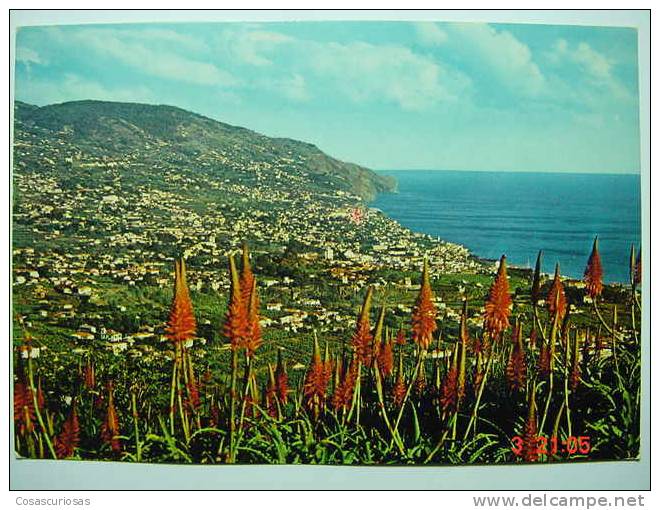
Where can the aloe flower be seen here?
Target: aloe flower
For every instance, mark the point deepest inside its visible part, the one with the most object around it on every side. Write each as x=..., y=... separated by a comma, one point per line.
x=498, y=304
x=556, y=297
x=593, y=273
x=181, y=325
x=424, y=313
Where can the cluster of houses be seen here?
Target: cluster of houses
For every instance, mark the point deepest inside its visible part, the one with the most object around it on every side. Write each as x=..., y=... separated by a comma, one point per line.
x=73, y=240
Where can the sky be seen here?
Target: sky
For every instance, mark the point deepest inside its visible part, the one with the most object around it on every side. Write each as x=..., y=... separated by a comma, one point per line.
x=387, y=95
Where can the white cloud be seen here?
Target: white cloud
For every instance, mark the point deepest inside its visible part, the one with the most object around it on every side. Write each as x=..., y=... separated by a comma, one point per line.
x=366, y=72
x=171, y=36
x=152, y=51
x=299, y=69
x=294, y=88
x=500, y=52
x=252, y=47
x=157, y=63
x=585, y=56
x=592, y=66
x=430, y=34
x=27, y=56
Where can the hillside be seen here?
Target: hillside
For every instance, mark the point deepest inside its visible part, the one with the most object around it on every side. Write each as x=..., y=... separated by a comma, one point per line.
x=109, y=129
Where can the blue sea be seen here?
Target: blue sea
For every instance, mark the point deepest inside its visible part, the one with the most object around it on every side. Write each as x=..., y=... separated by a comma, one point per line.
x=518, y=214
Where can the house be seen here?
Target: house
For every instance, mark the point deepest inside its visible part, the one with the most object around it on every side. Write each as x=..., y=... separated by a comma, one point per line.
x=84, y=291
x=110, y=335
x=83, y=335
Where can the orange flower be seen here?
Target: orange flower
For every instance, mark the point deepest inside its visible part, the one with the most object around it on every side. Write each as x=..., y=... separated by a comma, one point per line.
x=400, y=337
x=362, y=339
x=498, y=304
x=533, y=337
x=530, y=440
x=420, y=381
x=543, y=363
x=193, y=401
x=68, y=440
x=24, y=412
x=424, y=313
x=110, y=428
x=593, y=274
x=516, y=369
x=90, y=375
x=316, y=381
x=236, y=327
x=281, y=379
x=480, y=344
x=386, y=358
x=343, y=395
x=449, y=394
x=556, y=297
x=399, y=388
x=181, y=325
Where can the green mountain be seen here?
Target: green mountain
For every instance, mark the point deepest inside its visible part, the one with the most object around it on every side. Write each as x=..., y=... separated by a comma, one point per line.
x=165, y=133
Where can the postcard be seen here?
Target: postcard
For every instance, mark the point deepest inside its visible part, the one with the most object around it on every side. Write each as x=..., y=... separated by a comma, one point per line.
x=327, y=242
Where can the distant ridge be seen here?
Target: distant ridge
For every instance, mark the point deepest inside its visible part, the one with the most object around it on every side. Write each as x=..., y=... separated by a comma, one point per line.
x=113, y=128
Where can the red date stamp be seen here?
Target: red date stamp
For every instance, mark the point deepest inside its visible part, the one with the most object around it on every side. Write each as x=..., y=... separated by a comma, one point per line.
x=554, y=445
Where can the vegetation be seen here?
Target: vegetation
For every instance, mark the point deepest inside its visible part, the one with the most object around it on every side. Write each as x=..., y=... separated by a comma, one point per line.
x=548, y=374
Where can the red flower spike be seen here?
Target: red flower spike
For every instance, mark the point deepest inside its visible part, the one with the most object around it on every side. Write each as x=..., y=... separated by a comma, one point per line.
x=530, y=440
x=343, y=395
x=110, y=428
x=386, y=359
x=316, y=381
x=556, y=297
x=90, y=375
x=69, y=439
x=24, y=412
x=593, y=274
x=516, y=369
x=449, y=393
x=424, y=313
x=498, y=304
x=181, y=325
x=543, y=362
x=281, y=379
x=236, y=327
x=362, y=340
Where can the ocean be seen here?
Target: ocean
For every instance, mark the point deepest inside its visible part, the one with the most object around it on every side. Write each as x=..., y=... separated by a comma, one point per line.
x=518, y=214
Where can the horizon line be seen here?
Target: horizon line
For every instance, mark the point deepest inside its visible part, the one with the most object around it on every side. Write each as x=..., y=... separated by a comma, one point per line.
x=477, y=170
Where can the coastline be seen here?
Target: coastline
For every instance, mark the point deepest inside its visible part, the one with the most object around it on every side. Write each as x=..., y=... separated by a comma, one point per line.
x=519, y=213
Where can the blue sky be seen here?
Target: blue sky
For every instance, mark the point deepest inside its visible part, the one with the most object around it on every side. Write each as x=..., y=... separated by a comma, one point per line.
x=388, y=95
